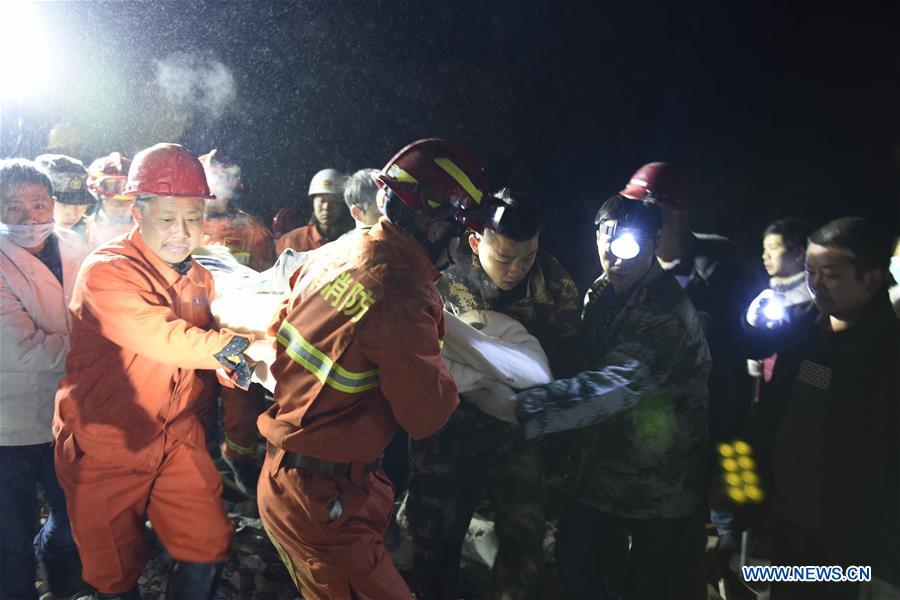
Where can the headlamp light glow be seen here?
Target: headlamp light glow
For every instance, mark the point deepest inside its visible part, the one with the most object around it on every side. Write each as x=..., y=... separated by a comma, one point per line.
x=625, y=246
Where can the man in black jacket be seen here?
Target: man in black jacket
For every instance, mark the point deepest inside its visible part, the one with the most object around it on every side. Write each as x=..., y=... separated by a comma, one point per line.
x=827, y=435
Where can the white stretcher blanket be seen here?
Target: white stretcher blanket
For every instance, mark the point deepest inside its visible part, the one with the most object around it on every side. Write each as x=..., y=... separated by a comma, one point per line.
x=490, y=345
x=481, y=349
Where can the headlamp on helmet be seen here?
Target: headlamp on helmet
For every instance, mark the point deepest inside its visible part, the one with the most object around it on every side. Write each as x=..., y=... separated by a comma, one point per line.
x=625, y=239
x=624, y=243
x=629, y=225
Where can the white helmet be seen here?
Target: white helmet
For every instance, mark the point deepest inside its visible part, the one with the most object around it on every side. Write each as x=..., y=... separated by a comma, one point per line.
x=327, y=181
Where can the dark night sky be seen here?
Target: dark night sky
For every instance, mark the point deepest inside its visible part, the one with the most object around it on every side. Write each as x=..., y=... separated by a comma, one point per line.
x=772, y=108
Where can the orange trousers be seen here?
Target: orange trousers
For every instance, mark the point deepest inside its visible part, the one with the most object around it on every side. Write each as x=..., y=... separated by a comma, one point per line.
x=109, y=498
x=331, y=559
x=240, y=409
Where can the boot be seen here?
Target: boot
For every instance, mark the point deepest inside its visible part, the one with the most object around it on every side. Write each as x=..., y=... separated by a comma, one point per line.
x=193, y=581
x=62, y=573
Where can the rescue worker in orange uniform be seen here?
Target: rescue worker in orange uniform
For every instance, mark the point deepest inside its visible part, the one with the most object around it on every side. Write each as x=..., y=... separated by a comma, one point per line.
x=330, y=218
x=105, y=181
x=247, y=239
x=128, y=443
x=251, y=244
x=359, y=352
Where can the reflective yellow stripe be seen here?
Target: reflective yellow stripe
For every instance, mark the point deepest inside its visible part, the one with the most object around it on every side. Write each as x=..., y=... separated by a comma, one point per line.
x=286, y=559
x=460, y=177
x=319, y=364
x=400, y=175
x=235, y=447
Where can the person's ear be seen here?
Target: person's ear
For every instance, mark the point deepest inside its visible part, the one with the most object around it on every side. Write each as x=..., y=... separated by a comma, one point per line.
x=136, y=213
x=356, y=213
x=475, y=243
x=873, y=280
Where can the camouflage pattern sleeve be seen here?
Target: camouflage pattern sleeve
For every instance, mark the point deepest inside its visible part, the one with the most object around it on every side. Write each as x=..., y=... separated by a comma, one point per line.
x=563, y=344
x=459, y=288
x=641, y=361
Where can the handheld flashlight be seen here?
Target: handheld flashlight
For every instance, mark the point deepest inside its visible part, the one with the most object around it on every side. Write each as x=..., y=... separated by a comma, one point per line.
x=773, y=310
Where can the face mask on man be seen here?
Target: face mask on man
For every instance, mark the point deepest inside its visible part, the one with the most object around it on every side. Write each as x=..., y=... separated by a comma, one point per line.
x=27, y=236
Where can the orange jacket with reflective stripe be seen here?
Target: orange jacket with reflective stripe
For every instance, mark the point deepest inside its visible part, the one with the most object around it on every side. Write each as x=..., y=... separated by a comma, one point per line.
x=139, y=330
x=359, y=350
x=302, y=239
x=248, y=240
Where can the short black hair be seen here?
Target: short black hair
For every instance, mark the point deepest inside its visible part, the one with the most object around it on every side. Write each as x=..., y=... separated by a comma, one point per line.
x=516, y=216
x=644, y=215
x=793, y=232
x=867, y=244
x=15, y=172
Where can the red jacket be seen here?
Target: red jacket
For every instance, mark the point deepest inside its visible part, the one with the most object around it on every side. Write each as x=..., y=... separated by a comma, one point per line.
x=359, y=350
x=248, y=240
x=302, y=239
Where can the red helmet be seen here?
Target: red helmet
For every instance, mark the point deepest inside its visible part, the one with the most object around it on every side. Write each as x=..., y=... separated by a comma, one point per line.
x=285, y=220
x=106, y=176
x=167, y=170
x=439, y=180
x=659, y=180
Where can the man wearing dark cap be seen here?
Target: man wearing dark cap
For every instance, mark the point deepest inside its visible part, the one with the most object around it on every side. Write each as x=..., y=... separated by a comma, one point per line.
x=68, y=176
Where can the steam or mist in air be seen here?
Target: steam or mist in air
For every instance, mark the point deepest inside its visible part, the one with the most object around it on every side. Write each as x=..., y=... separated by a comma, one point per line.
x=200, y=83
x=223, y=180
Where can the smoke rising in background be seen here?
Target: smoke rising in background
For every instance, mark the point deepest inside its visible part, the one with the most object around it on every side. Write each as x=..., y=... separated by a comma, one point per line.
x=742, y=97
x=224, y=181
x=201, y=84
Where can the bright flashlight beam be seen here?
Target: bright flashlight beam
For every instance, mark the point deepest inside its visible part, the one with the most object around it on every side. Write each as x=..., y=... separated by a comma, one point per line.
x=23, y=48
x=774, y=310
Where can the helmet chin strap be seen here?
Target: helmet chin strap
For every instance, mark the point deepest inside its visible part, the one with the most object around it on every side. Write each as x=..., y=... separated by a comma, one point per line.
x=402, y=217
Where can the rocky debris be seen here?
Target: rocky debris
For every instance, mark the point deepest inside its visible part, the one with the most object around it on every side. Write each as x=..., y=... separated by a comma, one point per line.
x=478, y=554
x=253, y=572
x=481, y=542
x=253, y=563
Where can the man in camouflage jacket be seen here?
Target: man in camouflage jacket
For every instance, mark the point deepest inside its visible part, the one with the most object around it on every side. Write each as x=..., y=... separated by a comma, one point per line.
x=641, y=415
x=501, y=270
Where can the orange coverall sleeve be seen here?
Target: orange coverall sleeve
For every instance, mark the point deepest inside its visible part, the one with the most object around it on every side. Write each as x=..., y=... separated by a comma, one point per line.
x=117, y=301
x=413, y=376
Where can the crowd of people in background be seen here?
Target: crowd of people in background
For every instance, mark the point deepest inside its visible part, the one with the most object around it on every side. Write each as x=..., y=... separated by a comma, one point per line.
x=114, y=369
